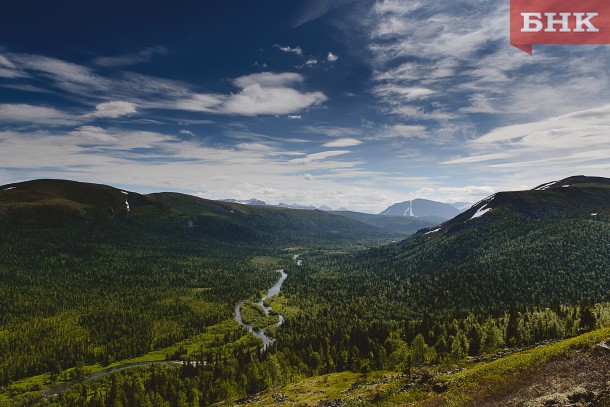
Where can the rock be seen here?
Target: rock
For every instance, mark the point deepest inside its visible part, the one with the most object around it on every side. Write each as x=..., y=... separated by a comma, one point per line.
x=601, y=349
x=580, y=395
x=440, y=387
x=280, y=397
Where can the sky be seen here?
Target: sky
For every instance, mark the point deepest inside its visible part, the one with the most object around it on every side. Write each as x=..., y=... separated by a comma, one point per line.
x=347, y=103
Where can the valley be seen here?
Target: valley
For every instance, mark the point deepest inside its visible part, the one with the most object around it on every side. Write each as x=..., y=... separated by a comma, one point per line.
x=110, y=297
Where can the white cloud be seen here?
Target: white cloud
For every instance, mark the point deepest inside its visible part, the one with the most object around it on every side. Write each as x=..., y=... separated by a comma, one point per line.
x=94, y=134
x=403, y=131
x=470, y=194
x=112, y=110
x=331, y=57
x=331, y=131
x=460, y=63
x=344, y=142
x=319, y=156
x=39, y=115
x=153, y=161
x=264, y=93
x=68, y=76
x=311, y=61
x=404, y=93
x=260, y=94
x=551, y=148
x=144, y=55
x=287, y=49
x=257, y=99
x=188, y=132
x=269, y=79
x=294, y=117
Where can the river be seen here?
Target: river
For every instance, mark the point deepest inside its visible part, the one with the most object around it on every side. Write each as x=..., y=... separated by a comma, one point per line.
x=260, y=333
x=54, y=390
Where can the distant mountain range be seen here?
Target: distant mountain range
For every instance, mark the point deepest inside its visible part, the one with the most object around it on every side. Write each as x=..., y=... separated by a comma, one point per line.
x=405, y=225
x=418, y=208
x=258, y=202
x=425, y=208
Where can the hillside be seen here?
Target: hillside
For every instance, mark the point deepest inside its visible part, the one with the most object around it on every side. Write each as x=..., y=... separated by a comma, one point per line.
x=527, y=270
x=570, y=372
x=532, y=246
x=396, y=224
x=94, y=277
x=111, y=213
x=93, y=274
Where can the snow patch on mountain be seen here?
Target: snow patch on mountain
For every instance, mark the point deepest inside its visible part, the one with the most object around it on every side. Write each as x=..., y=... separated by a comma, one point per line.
x=546, y=186
x=480, y=212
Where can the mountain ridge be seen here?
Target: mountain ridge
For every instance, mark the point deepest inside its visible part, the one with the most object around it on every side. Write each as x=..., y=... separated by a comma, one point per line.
x=60, y=203
x=421, y=208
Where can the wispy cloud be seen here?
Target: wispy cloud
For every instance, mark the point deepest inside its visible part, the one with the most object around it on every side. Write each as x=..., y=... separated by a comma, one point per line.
x=264, y=93
x=317, y=8
x=9, y=70
x=343, y=142
x=319, y=156
x=144, y=55
x=28, y=114
x=332, y=131
x=460, y=63
x=549, y=148
x=402, y=131
x=155, y=161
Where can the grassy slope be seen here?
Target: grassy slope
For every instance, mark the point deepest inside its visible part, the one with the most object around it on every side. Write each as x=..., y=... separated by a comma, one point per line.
x=476, y=384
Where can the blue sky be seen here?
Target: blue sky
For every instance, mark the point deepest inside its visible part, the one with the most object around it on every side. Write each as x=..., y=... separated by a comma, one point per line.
x=344, y=103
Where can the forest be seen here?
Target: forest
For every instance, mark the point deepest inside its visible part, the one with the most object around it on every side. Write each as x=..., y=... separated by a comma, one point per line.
x=84, y=291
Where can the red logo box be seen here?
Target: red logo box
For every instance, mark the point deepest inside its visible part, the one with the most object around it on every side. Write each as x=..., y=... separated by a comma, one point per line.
x=559, y=22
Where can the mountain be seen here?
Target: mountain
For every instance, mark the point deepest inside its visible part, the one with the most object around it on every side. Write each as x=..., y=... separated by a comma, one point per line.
x=396, y=224
x=534, y=247
x=257, y=202
x=68, y=207
x=252, y=201
x=421, y=208
x=297, y=206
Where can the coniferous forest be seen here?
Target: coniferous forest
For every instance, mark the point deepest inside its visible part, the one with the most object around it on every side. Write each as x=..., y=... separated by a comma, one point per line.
x=89, y=285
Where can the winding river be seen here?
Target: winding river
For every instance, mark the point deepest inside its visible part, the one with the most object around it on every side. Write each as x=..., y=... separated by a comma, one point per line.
x=260, y=333
x=54, y=390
